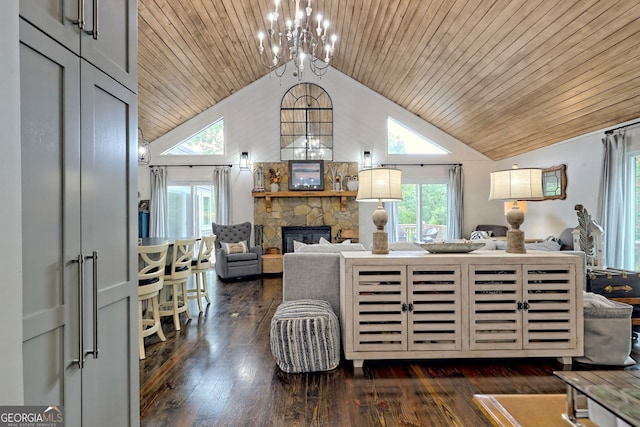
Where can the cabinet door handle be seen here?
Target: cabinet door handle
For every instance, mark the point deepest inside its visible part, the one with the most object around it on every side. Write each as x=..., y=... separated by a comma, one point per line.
x=96, y=349
x=519, y=305
x=94, y=33
x=526, y=305
x=404, y=306
x=80, y=21
x=80, y=359
x=410, y=306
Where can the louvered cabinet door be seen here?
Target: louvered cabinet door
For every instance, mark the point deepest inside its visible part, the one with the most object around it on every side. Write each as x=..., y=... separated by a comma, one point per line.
x=495, y=311
x=549, y=314
x=379, y=321
x=435, y=312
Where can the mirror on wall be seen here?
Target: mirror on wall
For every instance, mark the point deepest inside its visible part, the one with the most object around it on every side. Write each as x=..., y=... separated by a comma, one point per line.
x=306, y=123
x=554, y=182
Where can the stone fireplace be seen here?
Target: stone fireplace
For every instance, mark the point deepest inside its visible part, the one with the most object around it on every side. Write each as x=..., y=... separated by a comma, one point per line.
x=337, y=210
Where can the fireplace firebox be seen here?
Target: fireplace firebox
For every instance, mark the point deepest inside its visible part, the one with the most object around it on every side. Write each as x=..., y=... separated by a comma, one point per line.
x=304, y=234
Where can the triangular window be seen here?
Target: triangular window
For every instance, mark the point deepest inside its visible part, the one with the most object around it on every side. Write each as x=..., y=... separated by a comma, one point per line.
x=207, y=142
x=402, y=140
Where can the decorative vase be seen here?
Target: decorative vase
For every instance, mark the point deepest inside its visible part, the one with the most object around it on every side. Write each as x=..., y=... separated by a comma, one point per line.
x=275, y=187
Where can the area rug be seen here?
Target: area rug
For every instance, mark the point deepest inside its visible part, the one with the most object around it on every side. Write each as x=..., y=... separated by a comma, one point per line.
x=525, y=410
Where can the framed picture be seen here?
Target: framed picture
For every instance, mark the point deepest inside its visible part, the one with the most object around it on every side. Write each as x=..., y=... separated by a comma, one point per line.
x=306, y=175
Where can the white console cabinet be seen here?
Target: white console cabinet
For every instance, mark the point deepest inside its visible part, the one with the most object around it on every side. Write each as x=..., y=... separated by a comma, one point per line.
x=409, y=305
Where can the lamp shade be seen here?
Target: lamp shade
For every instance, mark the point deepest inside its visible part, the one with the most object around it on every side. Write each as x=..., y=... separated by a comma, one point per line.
x=379, y=184
x=516, y=184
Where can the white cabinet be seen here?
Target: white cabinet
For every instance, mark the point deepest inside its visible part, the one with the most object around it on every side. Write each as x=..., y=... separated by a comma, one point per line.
x=78, y=129
x=482, y=304
x=104, y=32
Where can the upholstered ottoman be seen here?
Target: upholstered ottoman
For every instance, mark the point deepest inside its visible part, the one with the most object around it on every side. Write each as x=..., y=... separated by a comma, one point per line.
x=305, y=336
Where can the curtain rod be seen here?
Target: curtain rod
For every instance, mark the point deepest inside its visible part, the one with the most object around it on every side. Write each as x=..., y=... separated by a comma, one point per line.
x=184, y=166
x=610, y=131
x=420, y=164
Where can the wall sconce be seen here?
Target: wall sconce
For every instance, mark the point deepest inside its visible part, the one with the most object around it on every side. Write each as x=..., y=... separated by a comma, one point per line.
x=144, y=156
x=244, y=160
x=367, y=160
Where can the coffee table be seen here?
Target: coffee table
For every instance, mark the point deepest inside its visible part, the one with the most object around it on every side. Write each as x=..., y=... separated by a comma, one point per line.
x=586, y=382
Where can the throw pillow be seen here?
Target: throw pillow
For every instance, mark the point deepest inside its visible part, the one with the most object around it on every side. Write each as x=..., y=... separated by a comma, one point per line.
x=234, y=248
x=298, y=245
x=324, y=241
x=478, y=235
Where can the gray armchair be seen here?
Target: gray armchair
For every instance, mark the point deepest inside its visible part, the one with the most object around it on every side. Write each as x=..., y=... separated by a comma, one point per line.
x=235, y=262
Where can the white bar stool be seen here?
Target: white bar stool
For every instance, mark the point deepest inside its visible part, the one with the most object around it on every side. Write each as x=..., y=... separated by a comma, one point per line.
x=175, y=276
x=150, y=282
x=199, y=267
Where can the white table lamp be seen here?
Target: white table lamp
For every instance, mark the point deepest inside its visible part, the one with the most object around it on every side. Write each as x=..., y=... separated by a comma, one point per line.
x=379, y=185
x=516, y=185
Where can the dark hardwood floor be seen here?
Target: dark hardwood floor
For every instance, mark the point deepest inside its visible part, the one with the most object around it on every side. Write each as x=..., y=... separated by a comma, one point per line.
x=219, y=371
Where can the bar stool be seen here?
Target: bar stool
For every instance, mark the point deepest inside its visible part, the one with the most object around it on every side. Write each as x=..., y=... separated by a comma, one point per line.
x=199, y=267
x=175, y=277
x=150, y=281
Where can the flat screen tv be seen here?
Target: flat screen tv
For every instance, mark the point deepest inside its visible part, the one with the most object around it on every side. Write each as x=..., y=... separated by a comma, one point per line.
x=306, y=175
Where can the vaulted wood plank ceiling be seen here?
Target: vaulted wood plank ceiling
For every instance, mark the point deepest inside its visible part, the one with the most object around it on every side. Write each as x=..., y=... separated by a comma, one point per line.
x=503, y=76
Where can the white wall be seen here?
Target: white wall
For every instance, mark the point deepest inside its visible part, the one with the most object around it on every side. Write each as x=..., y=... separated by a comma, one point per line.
x=11, y=391
x=583, y=157
x=252, y=123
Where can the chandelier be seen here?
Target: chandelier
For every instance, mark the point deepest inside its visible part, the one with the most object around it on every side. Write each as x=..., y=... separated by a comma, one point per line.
x=302, y=38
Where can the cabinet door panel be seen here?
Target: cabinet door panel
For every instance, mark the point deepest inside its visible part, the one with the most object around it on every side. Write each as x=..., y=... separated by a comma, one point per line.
x=109, y=227
x=550, y=318
x=495, y=321
x=55, y=17
x=380, y=323
x=115, y=50
x=50, y=142
x=435, y=318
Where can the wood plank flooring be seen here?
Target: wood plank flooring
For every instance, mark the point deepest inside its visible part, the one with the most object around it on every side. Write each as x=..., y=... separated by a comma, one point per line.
x=219, y=371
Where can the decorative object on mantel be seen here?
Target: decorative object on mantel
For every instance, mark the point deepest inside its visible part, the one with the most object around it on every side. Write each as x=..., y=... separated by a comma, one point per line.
x=258, y=179
x=378, y=185
x=516, y=184
x=352, y=182
x=306, y=175
x=275, y=178
x=588, y=237
x=296, y=41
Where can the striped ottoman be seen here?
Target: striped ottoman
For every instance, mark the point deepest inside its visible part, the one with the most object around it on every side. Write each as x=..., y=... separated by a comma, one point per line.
x=305, y=336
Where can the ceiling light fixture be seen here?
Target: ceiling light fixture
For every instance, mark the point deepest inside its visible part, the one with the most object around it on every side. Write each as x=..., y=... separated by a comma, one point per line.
x=303, y=37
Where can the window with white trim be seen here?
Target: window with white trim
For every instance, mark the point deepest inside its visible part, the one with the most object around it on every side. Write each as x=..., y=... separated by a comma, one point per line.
x=207, y=142
x=403, y=140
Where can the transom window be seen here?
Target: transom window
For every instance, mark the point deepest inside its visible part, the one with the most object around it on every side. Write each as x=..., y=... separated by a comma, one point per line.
x=207, y=142
x=403, y=140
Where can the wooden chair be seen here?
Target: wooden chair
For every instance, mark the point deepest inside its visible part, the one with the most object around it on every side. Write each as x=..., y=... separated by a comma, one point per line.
x=150, y=282
x=199, y=267
x=173, y=301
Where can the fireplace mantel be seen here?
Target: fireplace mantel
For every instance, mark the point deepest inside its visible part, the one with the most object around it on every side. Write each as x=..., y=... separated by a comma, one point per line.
x=268, y=195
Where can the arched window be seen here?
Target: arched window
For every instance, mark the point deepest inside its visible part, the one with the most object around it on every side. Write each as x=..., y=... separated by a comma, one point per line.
x=306, y=124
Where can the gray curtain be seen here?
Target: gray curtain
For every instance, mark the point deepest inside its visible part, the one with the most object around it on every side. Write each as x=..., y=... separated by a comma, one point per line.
x=158, y=209
x=223, y=194
x=613, y=202
x=454, y=203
